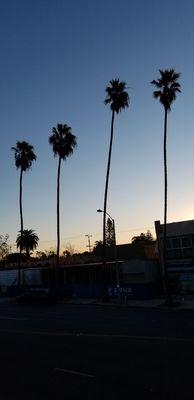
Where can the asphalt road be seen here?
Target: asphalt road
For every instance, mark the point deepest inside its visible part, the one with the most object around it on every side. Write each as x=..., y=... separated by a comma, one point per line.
x=92, y=352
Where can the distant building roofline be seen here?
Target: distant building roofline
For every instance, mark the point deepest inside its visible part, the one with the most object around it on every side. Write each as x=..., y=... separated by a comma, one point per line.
x=175, y=228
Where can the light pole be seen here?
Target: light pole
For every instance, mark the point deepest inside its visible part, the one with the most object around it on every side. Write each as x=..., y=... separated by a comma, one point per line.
x=115, y=246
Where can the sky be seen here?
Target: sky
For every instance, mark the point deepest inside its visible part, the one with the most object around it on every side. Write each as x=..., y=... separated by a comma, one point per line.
x=57, y=57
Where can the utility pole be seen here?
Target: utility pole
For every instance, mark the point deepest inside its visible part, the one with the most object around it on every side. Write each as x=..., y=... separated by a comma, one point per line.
x=89, y=243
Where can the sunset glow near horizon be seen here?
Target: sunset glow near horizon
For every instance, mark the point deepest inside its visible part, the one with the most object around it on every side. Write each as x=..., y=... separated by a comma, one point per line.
x=57, y=58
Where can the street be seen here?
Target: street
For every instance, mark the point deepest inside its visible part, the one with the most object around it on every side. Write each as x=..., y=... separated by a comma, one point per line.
x=95, y=352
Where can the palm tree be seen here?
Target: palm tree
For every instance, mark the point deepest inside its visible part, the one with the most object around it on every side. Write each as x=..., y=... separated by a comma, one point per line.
x=118, y=99
x=27, y=240
x=63, y=143
x=24, y=156
x=167, y=88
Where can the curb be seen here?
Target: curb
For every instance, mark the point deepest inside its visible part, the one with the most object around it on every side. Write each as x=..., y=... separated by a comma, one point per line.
x=159, y=306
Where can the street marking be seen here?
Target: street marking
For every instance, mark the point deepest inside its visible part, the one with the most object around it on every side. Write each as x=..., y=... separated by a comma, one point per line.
x=115, y=317
x=69, y=371
x=13, y=318
x=98, y=335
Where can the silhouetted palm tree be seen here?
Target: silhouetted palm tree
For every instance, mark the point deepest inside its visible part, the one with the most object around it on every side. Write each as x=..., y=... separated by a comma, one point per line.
x=27, y=240
x=63, y=143
x=167, y=87
x=24, y=156
x=118, y=99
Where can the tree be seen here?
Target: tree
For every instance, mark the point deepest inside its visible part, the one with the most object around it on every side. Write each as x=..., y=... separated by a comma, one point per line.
x=98, y=248
x=167, y=88
x=4, y=246
x=51, y=253
x=110, y=240
x=41, y=255
x=69, y=249
x=13, y=258
x=110, y=233
x=69, y=254
x=27, y=241
x=143, y=238
x=24, y=156
x=63, y=143
x=118, y=99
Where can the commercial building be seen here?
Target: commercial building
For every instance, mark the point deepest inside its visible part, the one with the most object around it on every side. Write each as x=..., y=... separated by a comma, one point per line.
x=180, y=251
x=133, y=275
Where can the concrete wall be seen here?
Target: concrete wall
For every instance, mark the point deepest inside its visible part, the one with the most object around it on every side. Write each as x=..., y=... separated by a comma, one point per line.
x=140, y=271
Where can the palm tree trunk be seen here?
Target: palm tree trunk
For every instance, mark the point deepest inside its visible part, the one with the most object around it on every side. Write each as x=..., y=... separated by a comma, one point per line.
x=165, y=271
x=21, y=212
x=106, y=189
x=21, y=229
x=58, y=222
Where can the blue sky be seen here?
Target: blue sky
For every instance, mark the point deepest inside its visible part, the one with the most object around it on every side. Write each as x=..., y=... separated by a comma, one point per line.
x=56, y=59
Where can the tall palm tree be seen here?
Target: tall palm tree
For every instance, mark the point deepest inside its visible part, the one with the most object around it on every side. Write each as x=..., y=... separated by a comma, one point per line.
x=118, y=99
x=27, y=240
x=63, y=143
x=167, y=87
x=24, y=156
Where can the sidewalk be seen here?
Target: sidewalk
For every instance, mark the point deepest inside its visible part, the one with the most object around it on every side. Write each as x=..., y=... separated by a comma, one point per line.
x=157, y=303
x=151, y=303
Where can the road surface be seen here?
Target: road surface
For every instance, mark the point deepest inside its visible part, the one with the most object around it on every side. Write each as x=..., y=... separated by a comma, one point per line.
x=95, y=352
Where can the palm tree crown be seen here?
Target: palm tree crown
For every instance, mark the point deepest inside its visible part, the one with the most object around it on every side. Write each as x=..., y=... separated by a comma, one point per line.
x=24, y=155
x=167, y=86
x=117, y=96
x=62, y=141
x=27, y=240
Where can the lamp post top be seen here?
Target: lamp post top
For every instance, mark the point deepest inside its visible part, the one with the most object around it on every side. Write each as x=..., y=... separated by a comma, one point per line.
x=99, y=210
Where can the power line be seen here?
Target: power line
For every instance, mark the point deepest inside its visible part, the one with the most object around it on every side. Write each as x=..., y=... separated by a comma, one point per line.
x=95, y=234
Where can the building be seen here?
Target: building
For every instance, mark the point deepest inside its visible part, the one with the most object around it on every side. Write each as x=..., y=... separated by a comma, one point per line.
x=180, y=251
x=140, y=251
x=134, y=277
x=131, y=272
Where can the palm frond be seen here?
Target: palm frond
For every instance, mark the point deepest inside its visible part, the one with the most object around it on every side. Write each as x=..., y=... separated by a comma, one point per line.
x=62, y=141
x=27, y=240
x=169, y=87
x=24, y=155
x=117, y=95
x=156, y=94
x=156, y=83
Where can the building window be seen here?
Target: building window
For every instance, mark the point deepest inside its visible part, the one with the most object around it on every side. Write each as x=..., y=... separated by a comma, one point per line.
x=188, y=252
x=176, y=243
x=168, y=244
x=179, y=247
x=186, y=242
x=175, y=253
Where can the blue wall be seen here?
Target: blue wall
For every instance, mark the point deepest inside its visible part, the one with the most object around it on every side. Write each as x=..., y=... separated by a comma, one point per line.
x=133, y=291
